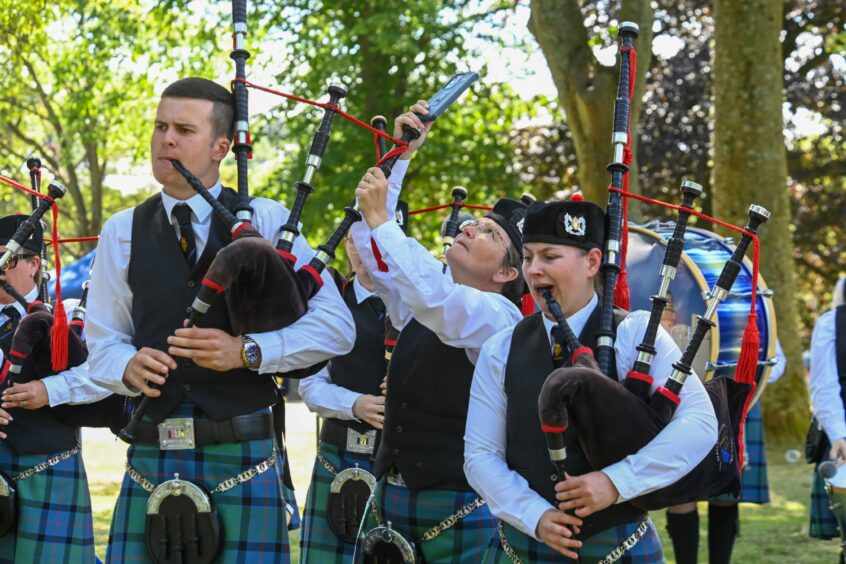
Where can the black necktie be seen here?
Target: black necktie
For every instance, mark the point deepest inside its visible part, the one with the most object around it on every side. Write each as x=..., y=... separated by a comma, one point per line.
x=559, y=347
x=182, y=213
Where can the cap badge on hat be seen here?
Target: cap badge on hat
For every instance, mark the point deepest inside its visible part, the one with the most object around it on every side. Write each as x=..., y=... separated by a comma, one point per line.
x=520, y=225
x=575, y=225
x=400, y=218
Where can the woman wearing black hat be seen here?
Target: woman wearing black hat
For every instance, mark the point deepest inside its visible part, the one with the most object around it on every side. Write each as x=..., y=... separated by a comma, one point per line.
x=39, y=451
x=445, y=318
x=506, y=456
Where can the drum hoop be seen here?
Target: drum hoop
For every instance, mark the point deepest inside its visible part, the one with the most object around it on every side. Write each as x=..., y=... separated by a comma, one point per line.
x=648, y=230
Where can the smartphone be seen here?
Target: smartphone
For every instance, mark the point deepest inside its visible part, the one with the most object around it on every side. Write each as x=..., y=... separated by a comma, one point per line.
x=449, y=94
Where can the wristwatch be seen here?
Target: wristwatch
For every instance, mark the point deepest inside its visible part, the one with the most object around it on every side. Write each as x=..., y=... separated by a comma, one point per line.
x=250, y=353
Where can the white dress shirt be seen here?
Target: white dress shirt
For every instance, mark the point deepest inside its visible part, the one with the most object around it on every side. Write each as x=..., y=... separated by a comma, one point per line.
x=325, y=331
x=781, y=363
x=69, y=386
x=416, y=286
x=676, y=450
x=824, y=380
x=320, y=394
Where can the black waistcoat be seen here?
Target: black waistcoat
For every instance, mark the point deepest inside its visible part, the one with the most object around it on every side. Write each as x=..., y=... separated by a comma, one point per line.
x=425, y=411
x=35, y=431
x=163, y=288
x=363, y=368
x=840, y=348
x=529, y=364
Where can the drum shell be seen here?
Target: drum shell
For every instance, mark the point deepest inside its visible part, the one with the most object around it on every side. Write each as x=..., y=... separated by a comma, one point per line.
x=702, y=261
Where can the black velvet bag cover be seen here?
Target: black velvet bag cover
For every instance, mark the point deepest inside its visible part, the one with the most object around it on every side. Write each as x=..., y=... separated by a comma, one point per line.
x=8, y=505
x=33, y=339
x=614, y=423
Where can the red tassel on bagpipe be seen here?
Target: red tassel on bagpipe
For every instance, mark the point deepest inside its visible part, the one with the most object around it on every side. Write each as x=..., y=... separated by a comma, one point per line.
x=59, y=336
x=378, y=256
x=621, y=289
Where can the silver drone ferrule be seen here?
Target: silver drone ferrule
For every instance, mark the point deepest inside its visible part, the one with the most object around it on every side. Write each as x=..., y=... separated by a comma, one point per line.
x=711, y=311
x=605, y=341
x=311, y=168
x=200, y=306
x=15, y=368
x=665, y=283
x=12, y=247
x=322, y=256
x=619, y=148
x=288, y=236
x=678, y=376
x=668, y=272
x=79, y=312
x=645, y=357
x=243, y=216
x=314, y=161
x=558, y=454
x=240, y=34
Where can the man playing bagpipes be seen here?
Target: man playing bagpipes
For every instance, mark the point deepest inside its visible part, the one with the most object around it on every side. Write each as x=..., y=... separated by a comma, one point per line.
x=210, y=420
x=827, y=437
x=444, y=318
x=347, y=396
x=45, y=507
x=506, y=456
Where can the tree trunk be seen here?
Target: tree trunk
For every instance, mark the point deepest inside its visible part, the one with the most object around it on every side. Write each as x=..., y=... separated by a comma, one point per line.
x=586, y=89
x=750, y=166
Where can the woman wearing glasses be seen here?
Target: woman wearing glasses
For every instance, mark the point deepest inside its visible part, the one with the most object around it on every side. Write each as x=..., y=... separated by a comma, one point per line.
x=445, y=317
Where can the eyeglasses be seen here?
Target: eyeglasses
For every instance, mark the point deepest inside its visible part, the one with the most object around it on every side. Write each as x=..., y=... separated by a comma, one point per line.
x=13, y=262
x=487, y=230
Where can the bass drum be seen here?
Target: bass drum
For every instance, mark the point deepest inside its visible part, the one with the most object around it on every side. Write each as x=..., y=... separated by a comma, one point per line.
x=704, y=255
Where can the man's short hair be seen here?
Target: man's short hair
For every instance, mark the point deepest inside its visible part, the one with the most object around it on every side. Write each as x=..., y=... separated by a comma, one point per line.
x=223, y=112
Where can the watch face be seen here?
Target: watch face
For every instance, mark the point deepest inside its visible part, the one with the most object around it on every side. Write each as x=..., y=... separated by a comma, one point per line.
x=252, y=353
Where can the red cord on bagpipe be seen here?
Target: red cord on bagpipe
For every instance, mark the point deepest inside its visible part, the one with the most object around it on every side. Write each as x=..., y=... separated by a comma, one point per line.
x=400, y=148
x=60, y=325
x=621, y=289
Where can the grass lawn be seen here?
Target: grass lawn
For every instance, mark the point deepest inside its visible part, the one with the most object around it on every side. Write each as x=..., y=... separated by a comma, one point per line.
x=777, y=532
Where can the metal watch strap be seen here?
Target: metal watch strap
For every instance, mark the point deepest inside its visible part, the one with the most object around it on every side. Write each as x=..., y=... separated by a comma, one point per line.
x=223, y=486
x=246, y=343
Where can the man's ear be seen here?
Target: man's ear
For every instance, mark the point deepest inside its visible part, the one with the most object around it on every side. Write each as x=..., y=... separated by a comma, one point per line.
x=220, y=148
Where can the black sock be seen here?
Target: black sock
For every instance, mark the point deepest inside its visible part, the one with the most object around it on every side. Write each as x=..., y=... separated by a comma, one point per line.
x=723, y=527
x=684, y=530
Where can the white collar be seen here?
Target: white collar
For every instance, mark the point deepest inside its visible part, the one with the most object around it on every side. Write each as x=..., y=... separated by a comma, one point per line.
x=198, y=205
x=30, y=297
x=577, y=320
x=361, y=293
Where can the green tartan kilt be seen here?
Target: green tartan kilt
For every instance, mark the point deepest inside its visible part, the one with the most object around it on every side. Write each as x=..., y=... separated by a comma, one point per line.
x=252, y=514
x=318, y=543
x=647, y=550
x=823, y=522
x=54, y=511
x=415, y=512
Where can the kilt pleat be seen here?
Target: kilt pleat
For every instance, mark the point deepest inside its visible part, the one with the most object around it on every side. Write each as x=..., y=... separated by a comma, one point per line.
x=54, y=511
x=755, y=487
x=415, y=512
x=318, y=544
x=252, y=514
x=823, y=522
x=647, y=550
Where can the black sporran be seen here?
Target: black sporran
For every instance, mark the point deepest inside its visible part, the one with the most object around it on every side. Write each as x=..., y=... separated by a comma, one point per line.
x=8, y=505
x=348, y=495
x=816, y=443
x=182, y=524
x=386, y=545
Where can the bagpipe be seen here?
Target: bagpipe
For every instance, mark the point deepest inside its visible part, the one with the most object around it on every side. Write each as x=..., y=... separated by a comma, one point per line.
x=617, y=419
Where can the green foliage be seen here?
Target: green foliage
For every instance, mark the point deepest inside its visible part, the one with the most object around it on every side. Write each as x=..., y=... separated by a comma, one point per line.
x=388, y=54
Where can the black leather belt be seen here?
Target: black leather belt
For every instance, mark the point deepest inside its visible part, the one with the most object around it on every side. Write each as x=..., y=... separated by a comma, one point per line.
x=207, y=432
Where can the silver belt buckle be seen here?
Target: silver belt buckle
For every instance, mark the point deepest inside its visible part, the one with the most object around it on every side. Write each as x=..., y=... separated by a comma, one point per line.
x=361, y=443
x=176, y=434
x=395, y=479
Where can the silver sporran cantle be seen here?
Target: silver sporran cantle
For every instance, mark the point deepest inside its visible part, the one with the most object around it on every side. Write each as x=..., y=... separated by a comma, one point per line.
x=348, y=495
x=384, y=544
x=182, y=524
